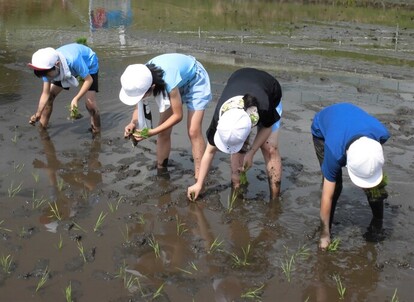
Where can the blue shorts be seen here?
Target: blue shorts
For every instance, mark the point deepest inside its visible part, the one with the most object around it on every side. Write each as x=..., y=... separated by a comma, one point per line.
x=279, y=110
x=196, y=94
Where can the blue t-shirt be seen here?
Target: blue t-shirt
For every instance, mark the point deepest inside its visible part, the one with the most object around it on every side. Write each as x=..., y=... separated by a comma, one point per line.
x=339, y=125
x=81, y=59
x=178, y=69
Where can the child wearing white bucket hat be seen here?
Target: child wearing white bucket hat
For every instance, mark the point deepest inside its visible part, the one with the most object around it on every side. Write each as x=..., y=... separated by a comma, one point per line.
x=251, y=97
x=345, y=135
x=59, y=69
x=173, y=80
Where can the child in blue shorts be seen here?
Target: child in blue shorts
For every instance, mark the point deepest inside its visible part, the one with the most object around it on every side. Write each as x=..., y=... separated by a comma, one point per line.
x=59, y=69
x=173, y=80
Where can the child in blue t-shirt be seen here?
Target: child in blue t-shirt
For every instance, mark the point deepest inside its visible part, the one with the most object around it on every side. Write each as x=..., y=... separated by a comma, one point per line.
x=59, y=68
x=173, y=80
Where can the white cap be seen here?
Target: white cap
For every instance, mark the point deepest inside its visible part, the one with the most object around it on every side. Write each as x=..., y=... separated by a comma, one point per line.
x=233, y=128
x=44, y=59
x=135, y=81
x=364, y=162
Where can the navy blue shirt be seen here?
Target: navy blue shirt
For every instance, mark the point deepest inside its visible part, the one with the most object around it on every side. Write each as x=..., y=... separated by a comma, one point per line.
x=339, y=125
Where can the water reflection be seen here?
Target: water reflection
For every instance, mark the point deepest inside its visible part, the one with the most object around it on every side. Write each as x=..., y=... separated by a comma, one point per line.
x=105, y=14
x=81, y=174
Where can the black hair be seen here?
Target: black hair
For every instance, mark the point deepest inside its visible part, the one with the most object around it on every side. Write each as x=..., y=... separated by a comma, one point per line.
x=43, y=73
x=250, y=101
x=157, y=79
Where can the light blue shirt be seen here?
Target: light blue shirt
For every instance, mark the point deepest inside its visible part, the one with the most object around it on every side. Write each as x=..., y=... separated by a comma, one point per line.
x=178, y=69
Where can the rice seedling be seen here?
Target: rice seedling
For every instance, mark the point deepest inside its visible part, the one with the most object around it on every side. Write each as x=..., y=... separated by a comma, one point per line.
x=155, y=246
x=288, y=266
x=55, y=211
x=192, y=266
x=241, y=261
x=84, y=194
x=243, y=177
x=42, y=279
x=37, y=202
x=82, y=251
x=158, y=292
x=334, y=245
x=74, y=113
x=68, y=293
x=130, y=281
x=3, y=228
x=78, y=227
x=60, y=184
x=303, y=252
x=18, y=168
x=253, y=293
x=215, y=246
x=14, y=138
x=6, y=263
x=115, y=207
x=14, y=190
x=59, y=245
x=126, y=235
x=180, y=226
x=35, y=176
x=144, y=132
x=232, y=200
x=121, y=271
x=99, y=222
x=395, y=297
x=339, y=286
x=141, y=219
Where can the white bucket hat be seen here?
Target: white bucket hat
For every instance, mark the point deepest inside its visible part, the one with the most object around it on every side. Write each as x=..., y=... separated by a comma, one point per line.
x=44, y=59
x=233, y=128
x=135, y=81
x=365, y=159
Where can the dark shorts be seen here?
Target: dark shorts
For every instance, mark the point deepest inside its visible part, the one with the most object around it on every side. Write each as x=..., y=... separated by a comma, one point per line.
x=94, y=86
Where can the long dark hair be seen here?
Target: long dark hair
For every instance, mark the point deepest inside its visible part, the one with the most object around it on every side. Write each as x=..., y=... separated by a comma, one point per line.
x=43, y=73
x=157, y=79
x=250, y=101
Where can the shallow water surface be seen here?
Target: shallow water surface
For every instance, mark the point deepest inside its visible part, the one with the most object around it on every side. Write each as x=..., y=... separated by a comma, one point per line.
x=95, y=218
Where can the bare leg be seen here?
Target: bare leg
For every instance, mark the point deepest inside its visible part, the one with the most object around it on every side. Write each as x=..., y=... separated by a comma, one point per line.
x=164, y=141
x=198, y=144
x=270, y=151
x=93, y=110
x=47, y=111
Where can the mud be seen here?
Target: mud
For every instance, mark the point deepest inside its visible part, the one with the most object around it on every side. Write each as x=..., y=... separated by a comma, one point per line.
x=153, y=244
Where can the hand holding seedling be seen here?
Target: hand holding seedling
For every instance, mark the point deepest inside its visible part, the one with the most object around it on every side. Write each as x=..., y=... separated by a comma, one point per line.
x=141, y=134
x=74, y=113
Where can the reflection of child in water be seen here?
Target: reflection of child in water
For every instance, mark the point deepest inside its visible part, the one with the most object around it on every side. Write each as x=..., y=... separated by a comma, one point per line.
x=78, y=179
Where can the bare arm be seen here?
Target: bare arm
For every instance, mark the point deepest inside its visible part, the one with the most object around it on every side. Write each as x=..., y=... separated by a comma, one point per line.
x=177, y=113
x=88, y=80
x=261, y=137
x=44, y=98
x=328, y=189
x=206, y=161
x=133, y=124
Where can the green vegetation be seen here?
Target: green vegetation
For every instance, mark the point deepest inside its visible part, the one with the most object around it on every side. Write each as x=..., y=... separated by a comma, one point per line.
x=74, y=113
x=43, y=279
x=99, y=222
x=339, y=286
x=333, y=246
x=253, y=293
x=144, y=132
x=6, y=263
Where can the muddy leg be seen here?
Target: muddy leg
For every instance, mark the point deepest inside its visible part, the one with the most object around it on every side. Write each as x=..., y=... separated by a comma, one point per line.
x=93, y=110
x=47, y=111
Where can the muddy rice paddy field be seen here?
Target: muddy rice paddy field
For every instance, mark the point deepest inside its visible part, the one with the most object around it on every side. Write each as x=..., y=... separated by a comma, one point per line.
x=88, y=219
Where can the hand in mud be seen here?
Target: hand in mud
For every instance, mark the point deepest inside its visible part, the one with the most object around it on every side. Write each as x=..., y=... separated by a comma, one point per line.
x=194, y=191
x=33, y=119
x=324, y=242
